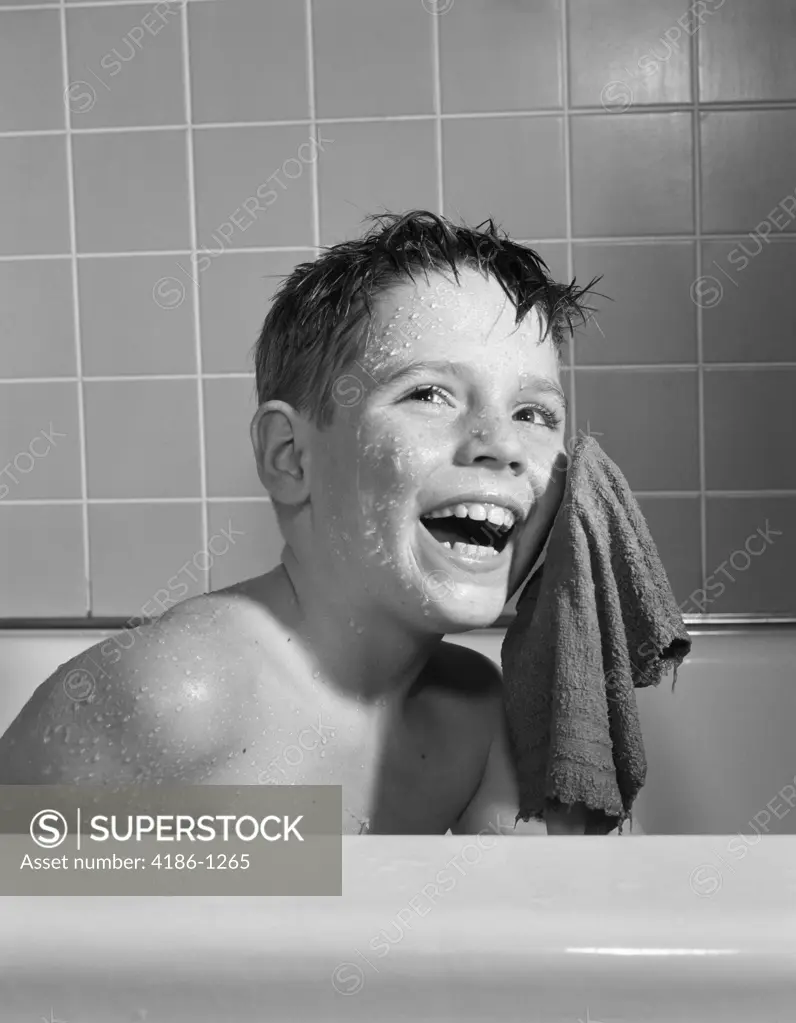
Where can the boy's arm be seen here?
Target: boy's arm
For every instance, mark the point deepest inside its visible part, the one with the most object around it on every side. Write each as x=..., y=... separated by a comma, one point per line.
x=496, y=802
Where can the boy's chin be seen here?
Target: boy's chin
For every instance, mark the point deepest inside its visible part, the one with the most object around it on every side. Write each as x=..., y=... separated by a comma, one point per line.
x=464, y=611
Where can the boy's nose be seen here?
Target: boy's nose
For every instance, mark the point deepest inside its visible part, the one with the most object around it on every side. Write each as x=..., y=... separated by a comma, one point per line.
x=497, y=441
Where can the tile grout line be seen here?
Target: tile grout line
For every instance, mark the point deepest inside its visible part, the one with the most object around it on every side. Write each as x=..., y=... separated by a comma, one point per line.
x=662, y=495
x=739, y=107
x=54, y=5
x=568, y=202
x=192, y=217
x=787, y=239
x=663, y=367
x=315, y=187
x=696, y=170
x=437, y=86
x=72, y=217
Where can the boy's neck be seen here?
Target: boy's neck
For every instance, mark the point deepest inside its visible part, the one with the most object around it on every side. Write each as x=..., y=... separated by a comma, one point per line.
x=357, y=652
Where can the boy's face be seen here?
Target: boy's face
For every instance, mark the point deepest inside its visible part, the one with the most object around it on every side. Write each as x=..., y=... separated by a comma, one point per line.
x=407, y=439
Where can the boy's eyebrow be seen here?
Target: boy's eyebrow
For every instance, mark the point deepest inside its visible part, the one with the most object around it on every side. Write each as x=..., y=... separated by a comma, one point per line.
x=531, y=380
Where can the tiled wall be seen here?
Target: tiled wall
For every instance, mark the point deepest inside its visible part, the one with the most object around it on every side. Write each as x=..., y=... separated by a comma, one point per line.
x=155, y=172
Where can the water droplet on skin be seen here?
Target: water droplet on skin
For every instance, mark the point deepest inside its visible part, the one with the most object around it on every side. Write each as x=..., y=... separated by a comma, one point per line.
x=316, y=674
x=323, y=753
x=46, y=770
x=96, y=757
x=95, y=740
x=360, y=630
x=178, y=708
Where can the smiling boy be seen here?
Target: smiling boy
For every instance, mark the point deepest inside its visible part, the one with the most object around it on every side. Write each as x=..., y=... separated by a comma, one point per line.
x=411, y=435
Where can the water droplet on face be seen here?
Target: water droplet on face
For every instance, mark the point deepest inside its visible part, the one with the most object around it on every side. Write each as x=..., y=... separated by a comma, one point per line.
x=46, y=770
x=360, y=630
x=316, y=674
x=322, y=753
x=178, y=708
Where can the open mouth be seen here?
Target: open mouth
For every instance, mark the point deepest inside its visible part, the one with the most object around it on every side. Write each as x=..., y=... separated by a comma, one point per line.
x=469, y=536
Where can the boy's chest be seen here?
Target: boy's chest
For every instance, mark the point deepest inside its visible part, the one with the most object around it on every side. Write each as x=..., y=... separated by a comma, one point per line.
x=410, y=770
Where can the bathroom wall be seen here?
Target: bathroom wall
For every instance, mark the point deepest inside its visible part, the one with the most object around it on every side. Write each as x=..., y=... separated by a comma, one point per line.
x=162, y=164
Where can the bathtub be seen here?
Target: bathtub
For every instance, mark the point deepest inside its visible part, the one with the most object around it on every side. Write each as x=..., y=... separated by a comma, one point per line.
x=697, y=928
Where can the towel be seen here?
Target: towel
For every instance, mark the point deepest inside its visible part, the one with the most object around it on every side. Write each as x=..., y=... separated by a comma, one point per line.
x=598, y=621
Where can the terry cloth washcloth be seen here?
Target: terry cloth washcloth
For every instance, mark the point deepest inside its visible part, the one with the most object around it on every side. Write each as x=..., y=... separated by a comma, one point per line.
x=597, y=622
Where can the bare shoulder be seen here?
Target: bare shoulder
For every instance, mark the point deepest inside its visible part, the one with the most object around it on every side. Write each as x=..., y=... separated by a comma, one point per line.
x=153, y=703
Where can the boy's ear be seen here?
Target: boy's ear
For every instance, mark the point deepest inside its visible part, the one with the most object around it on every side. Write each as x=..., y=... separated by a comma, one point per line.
x=280, y=439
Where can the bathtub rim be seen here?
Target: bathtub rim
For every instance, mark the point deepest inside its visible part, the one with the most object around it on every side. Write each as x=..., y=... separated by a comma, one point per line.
x=697, y=624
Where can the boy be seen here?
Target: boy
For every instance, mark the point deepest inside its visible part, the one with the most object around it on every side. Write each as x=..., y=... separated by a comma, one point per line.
x=411, y=435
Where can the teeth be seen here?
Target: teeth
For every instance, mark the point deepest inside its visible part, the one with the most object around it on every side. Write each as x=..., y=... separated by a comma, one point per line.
x=496, y=514
x=471, y=550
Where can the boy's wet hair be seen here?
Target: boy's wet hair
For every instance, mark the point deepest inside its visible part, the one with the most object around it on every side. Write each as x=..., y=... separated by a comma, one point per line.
x=313, y=330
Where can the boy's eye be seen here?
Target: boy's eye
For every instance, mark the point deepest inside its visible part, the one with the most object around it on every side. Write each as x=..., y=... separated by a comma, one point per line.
x=548, y=418
x=429, y=389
